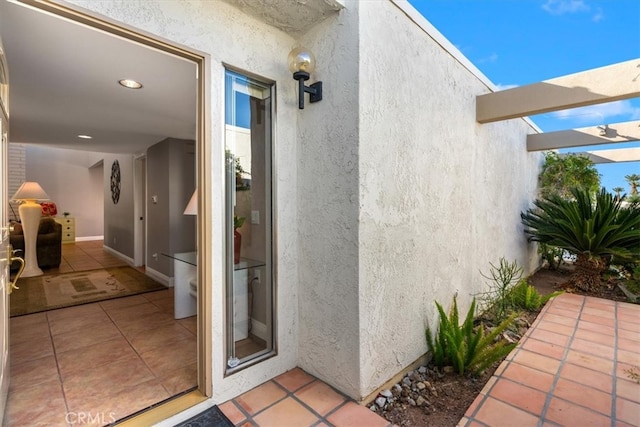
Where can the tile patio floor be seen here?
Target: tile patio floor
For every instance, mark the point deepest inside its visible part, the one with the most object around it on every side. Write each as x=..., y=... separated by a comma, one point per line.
x=570, y=369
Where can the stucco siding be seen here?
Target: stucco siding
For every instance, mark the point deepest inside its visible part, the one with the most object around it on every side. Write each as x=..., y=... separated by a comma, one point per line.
x=328, y=207
x=440, y=195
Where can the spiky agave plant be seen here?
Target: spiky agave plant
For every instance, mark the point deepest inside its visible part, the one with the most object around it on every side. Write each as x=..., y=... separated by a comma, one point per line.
x=593, y=228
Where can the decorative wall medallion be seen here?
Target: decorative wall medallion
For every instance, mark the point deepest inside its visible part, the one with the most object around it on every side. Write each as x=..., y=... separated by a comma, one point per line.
x=115, y=182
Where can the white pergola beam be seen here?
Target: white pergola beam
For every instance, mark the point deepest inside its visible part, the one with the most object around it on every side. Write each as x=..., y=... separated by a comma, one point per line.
x=613, y=156
x=597, y=86
x=594, y=135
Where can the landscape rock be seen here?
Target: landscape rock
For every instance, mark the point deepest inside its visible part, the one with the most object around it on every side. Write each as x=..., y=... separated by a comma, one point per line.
x=381, y=402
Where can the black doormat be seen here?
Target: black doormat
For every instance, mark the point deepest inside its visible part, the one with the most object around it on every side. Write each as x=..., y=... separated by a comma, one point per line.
x=212, y=417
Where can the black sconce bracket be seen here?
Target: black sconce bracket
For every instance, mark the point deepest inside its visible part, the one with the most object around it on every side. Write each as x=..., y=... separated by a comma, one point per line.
x=314, y=90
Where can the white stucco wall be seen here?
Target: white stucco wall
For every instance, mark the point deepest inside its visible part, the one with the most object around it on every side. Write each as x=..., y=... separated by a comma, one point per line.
x=230, y=37
x=328, y=207
x=440, y=195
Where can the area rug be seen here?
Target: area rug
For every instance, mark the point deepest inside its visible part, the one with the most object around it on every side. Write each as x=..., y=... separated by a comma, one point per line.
x=48, y=292
x=212, y=417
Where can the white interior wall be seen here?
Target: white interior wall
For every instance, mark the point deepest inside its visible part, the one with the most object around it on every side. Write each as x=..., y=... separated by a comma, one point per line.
x=66, y=176
x=230, y=37
x=440, y=194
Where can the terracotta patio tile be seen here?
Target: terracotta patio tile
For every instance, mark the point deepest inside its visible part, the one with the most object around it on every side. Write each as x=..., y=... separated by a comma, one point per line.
x=260, y=397
x=596, y=327
x=589, y=361
x=531, y=377
x=500, y=369
x=569, y=414
x=595, y=301
x=354, y=415
x=589, y=377
x=567, y=311
x=555, y=327
x=476, y=402
x=498, y=414
x=288, y=409
x=232, y=412
x=629, y=345
x=605, y=312
x=628, y=317
x=537, y=361
x=519, y=396
x=562, y=320
x=629, y=326
x=606, y=321
x=595, y=337
x=600, y=350
x=623, y=424
x=627, y=411
x=630, y=357
x=544, y=348
x=629, y=335
x=629, y=390
x=570, y=299
x=550, y=337
x=320, y=397
x=583, y=395
x=624, y=370
x=294, y=379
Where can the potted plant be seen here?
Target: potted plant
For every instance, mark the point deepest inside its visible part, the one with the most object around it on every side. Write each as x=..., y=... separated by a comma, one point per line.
x=237, y=237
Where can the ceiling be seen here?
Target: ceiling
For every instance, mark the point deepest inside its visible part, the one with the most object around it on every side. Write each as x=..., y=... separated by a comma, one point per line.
x=63, y=82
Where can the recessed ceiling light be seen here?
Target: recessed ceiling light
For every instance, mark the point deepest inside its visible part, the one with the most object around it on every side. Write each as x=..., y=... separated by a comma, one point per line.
x=130, y=84
x=85, y=137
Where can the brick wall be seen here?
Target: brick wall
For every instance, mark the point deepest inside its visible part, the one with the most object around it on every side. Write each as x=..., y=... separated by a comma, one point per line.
x=17, y=173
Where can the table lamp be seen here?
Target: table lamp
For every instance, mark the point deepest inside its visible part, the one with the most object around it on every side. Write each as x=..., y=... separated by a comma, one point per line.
x=30, y=213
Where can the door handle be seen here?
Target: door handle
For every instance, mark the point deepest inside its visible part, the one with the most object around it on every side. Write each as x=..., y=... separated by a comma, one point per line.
x=12, y=257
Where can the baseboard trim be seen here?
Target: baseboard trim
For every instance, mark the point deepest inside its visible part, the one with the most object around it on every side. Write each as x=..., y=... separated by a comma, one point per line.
x=156, y=275
x=89, y=238
x=119, y=255
x=258, y=329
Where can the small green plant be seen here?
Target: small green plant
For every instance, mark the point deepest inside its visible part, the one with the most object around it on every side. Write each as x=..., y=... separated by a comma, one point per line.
x=523, y=296
x=238, y=221
x=495, y=302
x=464, y=347
x=552, y=255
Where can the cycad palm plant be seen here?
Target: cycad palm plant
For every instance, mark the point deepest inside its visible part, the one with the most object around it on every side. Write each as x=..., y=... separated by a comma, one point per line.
x=593, y=228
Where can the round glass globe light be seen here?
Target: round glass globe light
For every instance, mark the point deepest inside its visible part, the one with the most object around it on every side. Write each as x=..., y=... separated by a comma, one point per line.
x=301, y=59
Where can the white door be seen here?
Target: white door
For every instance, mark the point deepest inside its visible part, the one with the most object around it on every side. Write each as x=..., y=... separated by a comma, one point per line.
x=5, y=253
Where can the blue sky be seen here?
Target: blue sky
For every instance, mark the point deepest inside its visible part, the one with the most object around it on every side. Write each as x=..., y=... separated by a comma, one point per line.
x=518, y=42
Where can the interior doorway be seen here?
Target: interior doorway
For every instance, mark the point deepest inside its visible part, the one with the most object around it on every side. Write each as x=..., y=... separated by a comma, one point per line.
x=201, y=326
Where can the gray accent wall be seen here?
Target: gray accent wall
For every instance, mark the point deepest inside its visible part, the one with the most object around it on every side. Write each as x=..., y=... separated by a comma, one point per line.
x=118, y=218
x=171, y=180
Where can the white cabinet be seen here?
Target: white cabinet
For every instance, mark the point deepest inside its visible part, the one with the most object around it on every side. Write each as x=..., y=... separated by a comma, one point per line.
x=68, y=228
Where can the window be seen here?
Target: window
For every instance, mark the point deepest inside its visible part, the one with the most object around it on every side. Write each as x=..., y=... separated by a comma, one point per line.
x=249, y=224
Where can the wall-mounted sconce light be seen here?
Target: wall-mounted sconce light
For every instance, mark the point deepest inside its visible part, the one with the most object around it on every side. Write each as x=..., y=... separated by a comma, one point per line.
x=603, y=130
x=301, y=64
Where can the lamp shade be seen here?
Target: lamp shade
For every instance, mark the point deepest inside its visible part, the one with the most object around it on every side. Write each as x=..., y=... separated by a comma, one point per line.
x=301, y=59
x=192, y=206
x=30, y=190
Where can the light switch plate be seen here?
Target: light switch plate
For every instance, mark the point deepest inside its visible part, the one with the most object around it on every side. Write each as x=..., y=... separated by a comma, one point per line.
x=255, y=217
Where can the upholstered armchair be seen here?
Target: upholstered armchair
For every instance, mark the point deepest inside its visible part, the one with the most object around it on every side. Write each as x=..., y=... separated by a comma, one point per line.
x=48, y=244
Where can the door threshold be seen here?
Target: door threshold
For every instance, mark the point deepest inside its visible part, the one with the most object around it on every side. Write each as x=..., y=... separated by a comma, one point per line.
x=162, y=411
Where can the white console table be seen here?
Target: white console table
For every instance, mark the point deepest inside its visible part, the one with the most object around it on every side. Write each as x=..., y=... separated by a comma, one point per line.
x=185, y=273
x=185, y=290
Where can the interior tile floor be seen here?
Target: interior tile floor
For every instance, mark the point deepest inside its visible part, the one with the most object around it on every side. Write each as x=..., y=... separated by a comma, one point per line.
x=86, y=255
x=109, y=359
x=94, y=363
x=575, y=366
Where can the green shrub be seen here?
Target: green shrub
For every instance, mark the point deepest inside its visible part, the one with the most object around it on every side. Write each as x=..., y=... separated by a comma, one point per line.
x=495, y=302
x=523, y=296
x=464, y=347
